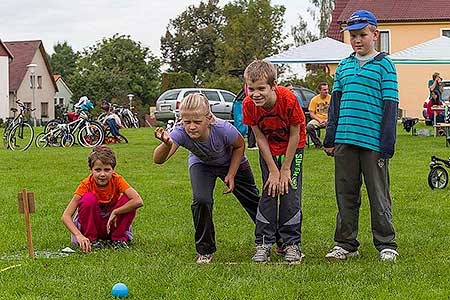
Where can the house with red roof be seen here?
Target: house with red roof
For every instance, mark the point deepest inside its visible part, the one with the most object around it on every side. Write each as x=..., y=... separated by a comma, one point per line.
x=20, y=79
x=402, y=24
x=63, y=96
x=5, y=59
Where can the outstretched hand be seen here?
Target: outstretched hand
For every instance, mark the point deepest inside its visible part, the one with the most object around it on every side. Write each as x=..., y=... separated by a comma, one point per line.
x=162, y=135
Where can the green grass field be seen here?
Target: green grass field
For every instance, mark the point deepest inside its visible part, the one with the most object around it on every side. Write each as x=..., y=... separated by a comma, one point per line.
x=161, y=261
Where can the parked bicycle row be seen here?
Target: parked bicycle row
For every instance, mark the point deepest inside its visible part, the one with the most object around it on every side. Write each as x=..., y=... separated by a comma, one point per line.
x=18, y=134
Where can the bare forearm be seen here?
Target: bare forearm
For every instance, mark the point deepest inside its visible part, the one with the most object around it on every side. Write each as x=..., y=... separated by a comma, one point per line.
x=161, y=153
x=68, y=222
x=131, y=205
x=291, y=148
x=236, y=159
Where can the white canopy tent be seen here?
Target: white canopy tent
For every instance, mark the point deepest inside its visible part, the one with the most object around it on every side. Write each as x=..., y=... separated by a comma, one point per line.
x=432, y=52
x=323, y=51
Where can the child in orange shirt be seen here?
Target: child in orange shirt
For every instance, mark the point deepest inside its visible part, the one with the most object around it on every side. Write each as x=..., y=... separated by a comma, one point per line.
x=106, y=205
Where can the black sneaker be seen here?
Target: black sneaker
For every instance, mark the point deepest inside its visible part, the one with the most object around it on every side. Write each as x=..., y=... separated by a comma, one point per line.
x=98, y=244
x=115, y=244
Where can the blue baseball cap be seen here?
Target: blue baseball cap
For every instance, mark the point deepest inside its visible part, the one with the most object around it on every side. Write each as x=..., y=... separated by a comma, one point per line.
x=360, y=19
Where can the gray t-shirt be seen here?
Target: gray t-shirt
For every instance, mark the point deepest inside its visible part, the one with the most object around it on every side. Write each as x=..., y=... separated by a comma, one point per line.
x=216, y=151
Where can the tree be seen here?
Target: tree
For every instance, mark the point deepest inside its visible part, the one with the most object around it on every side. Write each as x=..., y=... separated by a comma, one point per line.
x=64, y=60
x=301, y=34
x=326, y=8
x=190, y=40
x=253, y=30
x=115, y=67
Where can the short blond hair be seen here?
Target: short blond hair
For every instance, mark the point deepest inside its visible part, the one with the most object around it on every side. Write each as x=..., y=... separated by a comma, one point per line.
x=260, y=69
x=196, y=103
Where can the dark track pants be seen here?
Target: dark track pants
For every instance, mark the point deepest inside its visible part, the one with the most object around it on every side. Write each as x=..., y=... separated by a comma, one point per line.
x=351, y=164
x=286, y=218
x=203, y=180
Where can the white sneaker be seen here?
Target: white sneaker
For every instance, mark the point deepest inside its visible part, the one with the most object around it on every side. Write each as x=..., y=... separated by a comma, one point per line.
x=339, y=253
x=388, y=255
x=204, y=259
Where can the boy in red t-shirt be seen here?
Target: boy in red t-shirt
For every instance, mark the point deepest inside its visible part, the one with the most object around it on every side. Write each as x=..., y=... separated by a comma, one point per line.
x=106, y=205
x=278, y=122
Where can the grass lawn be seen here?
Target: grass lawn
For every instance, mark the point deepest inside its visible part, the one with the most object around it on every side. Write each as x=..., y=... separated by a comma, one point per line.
x=160, y=263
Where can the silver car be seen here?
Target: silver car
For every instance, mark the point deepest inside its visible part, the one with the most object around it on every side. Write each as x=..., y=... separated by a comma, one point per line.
x=169, y=102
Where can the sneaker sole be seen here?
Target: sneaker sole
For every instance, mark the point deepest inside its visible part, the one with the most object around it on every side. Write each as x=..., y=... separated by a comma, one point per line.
x=296, y=262
x=261, y=261
x=350, y=255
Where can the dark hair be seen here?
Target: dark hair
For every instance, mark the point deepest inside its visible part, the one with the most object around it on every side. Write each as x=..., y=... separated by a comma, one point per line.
x=319, y=86
x=104, y=154
x=435, y=102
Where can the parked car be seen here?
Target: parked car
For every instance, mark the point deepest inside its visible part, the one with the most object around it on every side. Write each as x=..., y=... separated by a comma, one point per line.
x=304, y=95
x=169, y=102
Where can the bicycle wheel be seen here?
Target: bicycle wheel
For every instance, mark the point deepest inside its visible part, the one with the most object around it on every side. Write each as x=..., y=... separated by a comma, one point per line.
x=101, y=117
x=91, y=135
x=136, y=123
x=41, y=140
x=120, y=139
x=21, y=137
x=67, y=140
x=438, y=178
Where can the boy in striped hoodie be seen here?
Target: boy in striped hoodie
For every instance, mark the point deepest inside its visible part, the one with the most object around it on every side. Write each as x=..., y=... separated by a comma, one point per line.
x=360, y=134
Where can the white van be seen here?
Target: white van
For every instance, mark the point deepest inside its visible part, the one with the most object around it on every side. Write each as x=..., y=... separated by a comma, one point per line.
x=169, y=102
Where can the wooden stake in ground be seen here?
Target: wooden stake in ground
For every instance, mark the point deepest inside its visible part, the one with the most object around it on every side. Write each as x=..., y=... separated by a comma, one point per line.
x=26, y=206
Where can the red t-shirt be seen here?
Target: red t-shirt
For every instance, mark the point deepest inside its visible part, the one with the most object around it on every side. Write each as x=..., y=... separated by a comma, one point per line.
x=275, y=123
x=110, y=194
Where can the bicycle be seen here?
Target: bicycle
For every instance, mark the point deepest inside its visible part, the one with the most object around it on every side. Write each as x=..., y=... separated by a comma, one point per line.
x=20, y=133
x=9, y=124
x=90, y=133
x=58, y=136
x=438, y=176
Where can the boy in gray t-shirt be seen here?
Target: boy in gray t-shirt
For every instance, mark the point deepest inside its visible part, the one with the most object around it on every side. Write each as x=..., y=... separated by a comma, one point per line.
x=216, y=150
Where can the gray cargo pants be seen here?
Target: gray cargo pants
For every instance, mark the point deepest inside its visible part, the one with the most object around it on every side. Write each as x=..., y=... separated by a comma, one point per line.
x=351, y=163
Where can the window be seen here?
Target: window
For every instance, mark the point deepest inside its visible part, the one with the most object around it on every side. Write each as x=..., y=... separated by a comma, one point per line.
x=56, y=101
x=44, y=110
x=61, y=101
x=39, y=82
x=382, y=44
x=228, y=97
x=32, y=81
x=212, y=96
x=446, y=32
x=190, y=92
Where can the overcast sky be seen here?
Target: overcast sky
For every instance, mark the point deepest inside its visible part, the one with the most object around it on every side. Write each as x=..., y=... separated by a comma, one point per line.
x=83, y=22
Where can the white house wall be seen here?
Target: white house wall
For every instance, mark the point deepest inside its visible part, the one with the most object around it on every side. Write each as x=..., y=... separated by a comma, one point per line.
x=4, y=87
